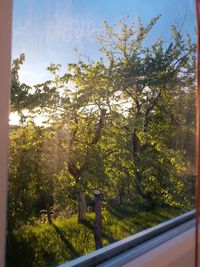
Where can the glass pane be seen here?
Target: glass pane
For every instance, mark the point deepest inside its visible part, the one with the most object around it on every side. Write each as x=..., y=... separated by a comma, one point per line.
x=102, y=125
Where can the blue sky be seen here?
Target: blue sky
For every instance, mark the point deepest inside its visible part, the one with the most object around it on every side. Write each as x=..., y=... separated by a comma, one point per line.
x=49, y=30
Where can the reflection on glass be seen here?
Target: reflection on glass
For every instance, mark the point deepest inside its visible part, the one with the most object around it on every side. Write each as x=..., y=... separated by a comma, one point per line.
x=102, y=125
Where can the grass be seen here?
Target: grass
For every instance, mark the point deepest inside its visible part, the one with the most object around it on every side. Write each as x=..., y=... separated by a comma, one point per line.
x=45, y=245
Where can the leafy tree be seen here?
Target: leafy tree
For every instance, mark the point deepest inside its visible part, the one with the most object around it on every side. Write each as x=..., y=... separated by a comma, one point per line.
x=29, y=183
x=19, y=91
x=116, y=114
x=141, y=87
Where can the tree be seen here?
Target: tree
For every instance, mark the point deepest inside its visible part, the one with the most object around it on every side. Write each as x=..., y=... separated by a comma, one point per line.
x=152, y=79
x=143, y=86
x=29, y=183
x=19, y=91
x=116, y=113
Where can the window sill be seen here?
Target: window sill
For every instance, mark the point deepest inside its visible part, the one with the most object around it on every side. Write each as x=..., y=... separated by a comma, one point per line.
x=128, y=249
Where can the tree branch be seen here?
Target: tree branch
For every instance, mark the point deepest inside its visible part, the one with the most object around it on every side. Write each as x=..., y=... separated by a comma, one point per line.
x=99, y=127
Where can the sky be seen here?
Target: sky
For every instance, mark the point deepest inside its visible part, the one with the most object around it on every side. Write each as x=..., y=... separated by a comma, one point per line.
x=49, y=31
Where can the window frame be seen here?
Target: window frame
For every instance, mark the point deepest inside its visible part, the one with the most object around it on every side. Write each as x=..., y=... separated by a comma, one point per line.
x=5, y=71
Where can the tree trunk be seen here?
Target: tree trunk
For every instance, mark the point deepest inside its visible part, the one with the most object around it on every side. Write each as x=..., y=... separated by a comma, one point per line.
x=121, y=194
x=138, y=176
x=82, y=209
x=98, y=221
x=48, y=204
x=48, y=209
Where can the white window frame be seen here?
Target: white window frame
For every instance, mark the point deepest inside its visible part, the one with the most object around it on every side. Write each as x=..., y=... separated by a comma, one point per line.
x=5, y=67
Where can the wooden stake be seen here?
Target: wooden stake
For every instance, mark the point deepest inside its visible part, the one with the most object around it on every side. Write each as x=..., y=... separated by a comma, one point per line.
x=98, y=220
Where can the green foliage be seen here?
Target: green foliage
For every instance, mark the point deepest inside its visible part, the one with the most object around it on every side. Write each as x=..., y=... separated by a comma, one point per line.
x=19, y=91
x=27, y=179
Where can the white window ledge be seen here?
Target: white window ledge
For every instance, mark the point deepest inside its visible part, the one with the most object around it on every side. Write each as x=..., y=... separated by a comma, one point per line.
x=127, y=251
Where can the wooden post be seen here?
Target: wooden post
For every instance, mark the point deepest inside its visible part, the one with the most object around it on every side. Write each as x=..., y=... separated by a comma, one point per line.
x=98, y=220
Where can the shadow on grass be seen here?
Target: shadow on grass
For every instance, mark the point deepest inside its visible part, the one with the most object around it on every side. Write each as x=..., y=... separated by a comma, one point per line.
x=74, y=253
x=121, y=211
x=90, y=225
x=109, y=238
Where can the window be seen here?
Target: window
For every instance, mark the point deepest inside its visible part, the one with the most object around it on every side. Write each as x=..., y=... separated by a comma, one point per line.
x=109, y=127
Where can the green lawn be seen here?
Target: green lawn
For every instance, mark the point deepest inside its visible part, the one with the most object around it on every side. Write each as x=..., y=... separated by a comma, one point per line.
x=42, y=245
